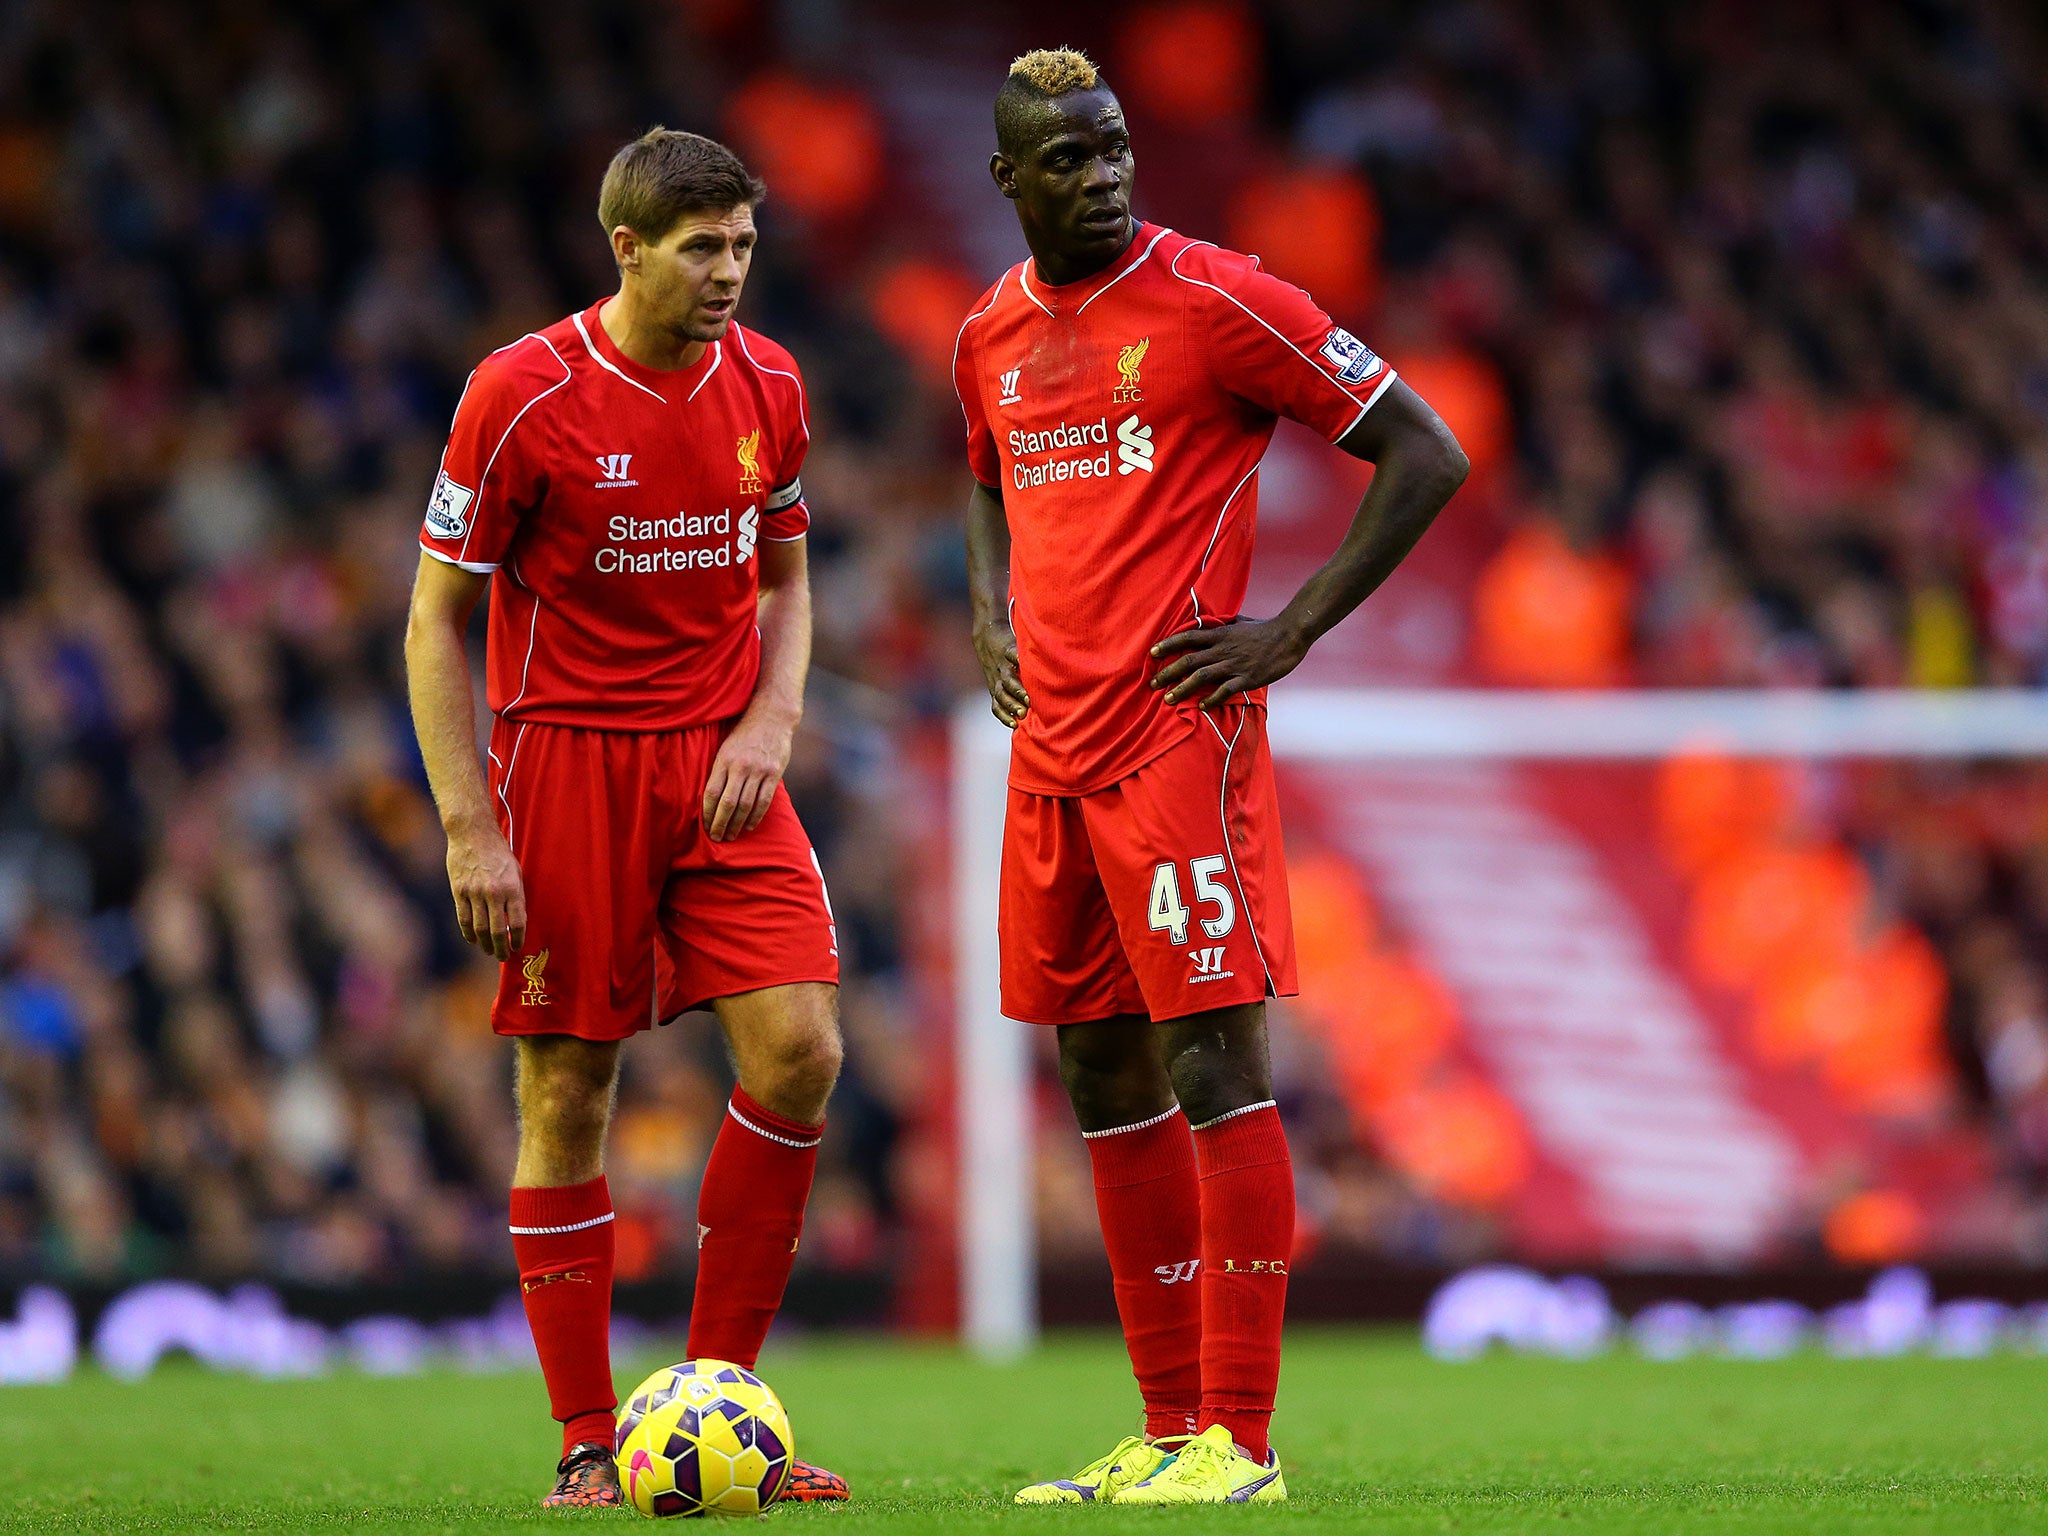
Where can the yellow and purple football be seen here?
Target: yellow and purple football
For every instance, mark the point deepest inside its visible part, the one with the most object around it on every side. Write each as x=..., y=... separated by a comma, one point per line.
x=706, y=1437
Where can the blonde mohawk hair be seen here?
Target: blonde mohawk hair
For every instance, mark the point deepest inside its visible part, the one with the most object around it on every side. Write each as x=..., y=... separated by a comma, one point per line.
x=1055, y=71
x=1038, y=79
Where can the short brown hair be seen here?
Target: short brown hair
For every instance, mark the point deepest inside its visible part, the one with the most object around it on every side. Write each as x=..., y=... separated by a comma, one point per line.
x=665, y=175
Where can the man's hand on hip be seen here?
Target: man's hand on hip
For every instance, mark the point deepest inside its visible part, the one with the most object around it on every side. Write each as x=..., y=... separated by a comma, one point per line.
x=1215, y=662
x=490, y=896
x=744, y=774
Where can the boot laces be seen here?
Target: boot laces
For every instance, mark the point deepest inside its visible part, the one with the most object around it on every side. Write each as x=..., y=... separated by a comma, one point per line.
x=1102, y=1464
x=1198, y=1454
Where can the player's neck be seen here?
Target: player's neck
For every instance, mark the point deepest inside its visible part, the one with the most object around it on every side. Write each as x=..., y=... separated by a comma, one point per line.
x=1058, y=269
x=651, y=346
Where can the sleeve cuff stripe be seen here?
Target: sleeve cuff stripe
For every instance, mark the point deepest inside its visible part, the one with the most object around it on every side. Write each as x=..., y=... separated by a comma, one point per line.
x=475, y=567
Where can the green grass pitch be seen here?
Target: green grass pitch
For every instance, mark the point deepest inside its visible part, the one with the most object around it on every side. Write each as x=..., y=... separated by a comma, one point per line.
x=1374, y=1435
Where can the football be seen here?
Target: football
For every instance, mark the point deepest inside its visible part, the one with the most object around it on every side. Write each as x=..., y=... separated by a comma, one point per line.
x=705, y=1437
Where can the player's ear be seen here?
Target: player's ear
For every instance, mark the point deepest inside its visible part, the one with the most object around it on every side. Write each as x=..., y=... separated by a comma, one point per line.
x=1004, y=170
x=626, y=249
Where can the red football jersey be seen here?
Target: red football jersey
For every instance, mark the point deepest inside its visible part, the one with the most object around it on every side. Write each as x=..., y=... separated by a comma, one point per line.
x=621, y=507
x=1123, y=418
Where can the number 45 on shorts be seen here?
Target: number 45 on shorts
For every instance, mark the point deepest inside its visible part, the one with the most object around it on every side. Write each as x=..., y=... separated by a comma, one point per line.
x=1168, y=914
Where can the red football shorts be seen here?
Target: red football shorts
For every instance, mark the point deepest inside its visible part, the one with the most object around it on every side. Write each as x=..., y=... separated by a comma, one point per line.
x=633, y=913
x=1165, y=894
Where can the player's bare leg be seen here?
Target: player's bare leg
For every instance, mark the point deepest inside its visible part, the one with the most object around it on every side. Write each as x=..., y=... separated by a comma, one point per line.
x=562, y=1235
x=564, y=1088
x=750, y=1212
x=1136, y=1089
x=1218, y=1062
x=1114, y=1072
x=1221, y=1073
x=1147, y=1198
x=785, y=1045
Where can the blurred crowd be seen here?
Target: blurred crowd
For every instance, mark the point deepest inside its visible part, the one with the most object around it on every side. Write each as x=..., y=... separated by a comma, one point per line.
x=1750, y=306
x=248, y=255
x=1775, y=314
x=1740, y=310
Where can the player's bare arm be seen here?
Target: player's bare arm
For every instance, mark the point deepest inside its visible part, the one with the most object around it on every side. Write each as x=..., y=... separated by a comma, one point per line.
x=483, y=876
x=751, y=761
x=1418, y=465
x=988, y=587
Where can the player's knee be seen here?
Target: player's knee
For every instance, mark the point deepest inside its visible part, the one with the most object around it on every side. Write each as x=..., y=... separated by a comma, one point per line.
x=565, y=1092
x=568, y=1110
x=1106, y=1049
x=800, y=1063
x=563, y=1128
x=1210, y=1095
x=561, y=1137
x=810, y=1063
x=1112, y=1073
x=1219, y=1065
x=1094, y=1078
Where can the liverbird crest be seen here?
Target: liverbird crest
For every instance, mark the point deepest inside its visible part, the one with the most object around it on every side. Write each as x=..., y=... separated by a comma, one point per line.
x=1128, y=362
x=750, y=465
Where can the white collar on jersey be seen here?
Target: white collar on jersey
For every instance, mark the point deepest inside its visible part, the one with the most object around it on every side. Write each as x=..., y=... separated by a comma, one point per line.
x=1024, y=277
x=717, y=357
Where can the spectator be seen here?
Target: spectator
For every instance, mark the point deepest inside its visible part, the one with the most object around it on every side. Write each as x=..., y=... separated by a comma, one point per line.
x=1747, y=323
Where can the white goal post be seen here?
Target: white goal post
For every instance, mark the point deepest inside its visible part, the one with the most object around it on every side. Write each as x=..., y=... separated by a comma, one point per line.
x=997, y=1229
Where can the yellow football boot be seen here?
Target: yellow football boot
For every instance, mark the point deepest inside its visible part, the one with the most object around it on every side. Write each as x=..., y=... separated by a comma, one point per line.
x=1209, y=1469
x=1104, y=1479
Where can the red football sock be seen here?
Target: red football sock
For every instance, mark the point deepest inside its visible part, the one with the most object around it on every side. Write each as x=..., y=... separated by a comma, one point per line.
x=750, y=1212
x=562, y=1238
x=1151, y=1210
x=1247, y=1230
